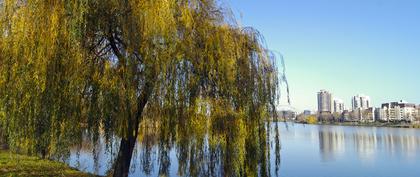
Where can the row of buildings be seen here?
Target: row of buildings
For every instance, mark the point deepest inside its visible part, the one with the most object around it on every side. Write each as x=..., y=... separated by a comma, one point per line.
x=362, y=109
x=397, y=111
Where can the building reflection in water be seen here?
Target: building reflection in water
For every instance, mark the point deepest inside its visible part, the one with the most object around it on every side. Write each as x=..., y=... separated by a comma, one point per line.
x=331, y=142
x=367, y=142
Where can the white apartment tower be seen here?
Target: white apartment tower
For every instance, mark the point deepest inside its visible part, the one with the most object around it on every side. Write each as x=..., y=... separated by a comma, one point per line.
x=325, y=102
x=338, y=105
x=360, y=102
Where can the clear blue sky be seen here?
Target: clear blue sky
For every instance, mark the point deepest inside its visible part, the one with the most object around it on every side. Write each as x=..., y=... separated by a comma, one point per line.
x=344, y=46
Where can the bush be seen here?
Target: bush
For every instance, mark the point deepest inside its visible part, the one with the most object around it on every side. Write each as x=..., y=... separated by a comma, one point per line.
x=311, y=120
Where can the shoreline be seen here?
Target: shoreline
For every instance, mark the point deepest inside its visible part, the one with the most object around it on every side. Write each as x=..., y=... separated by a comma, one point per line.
x=368, y=124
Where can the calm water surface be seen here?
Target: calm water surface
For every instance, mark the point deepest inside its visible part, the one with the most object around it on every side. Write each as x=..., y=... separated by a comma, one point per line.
x=306, y=151
x=330, y=151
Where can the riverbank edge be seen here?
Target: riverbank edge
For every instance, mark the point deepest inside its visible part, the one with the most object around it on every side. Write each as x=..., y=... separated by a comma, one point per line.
x=367, y=124
x=12, y=164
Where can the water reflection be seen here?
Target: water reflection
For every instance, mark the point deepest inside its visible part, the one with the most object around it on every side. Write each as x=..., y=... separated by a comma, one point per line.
x=190, y=148
x=331, y=143
x=306, y=150
x=345, y=151
x=367, y=141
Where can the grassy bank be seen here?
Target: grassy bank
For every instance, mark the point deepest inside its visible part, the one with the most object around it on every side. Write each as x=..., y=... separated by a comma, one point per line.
x=20, y=165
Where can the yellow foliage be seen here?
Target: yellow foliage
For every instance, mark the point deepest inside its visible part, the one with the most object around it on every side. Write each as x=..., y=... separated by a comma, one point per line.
x=311, y=119
x=70, y=67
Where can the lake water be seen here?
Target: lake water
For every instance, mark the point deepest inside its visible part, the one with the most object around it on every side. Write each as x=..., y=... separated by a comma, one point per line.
x=331, y=151
x=306, y=151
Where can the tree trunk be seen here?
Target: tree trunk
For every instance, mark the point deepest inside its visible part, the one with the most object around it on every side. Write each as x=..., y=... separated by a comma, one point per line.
x=122, y=163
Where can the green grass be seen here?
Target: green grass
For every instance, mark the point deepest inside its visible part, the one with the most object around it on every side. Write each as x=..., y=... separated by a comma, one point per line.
x=20, y=165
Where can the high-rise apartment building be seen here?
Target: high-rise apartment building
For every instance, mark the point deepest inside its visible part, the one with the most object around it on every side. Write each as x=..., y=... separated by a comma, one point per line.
x=338, y=105
x=360, y=102
x=325, y=104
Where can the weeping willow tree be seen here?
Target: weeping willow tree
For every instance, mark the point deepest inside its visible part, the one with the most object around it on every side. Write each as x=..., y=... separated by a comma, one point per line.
x=72, y=66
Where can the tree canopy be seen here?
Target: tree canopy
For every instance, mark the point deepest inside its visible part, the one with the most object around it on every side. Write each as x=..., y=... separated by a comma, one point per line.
x=103, y=66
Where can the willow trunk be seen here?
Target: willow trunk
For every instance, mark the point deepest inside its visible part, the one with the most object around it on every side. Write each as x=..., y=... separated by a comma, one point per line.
x=127, y=144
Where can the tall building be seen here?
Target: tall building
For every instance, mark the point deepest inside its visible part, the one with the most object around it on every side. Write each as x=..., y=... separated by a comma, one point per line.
x=360, y=102
x=365, y=102
x=325, y=102
x=355, y=102
x=338, y=105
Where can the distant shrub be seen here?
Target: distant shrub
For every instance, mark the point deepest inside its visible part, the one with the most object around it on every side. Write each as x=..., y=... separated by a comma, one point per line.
x=311, y=120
